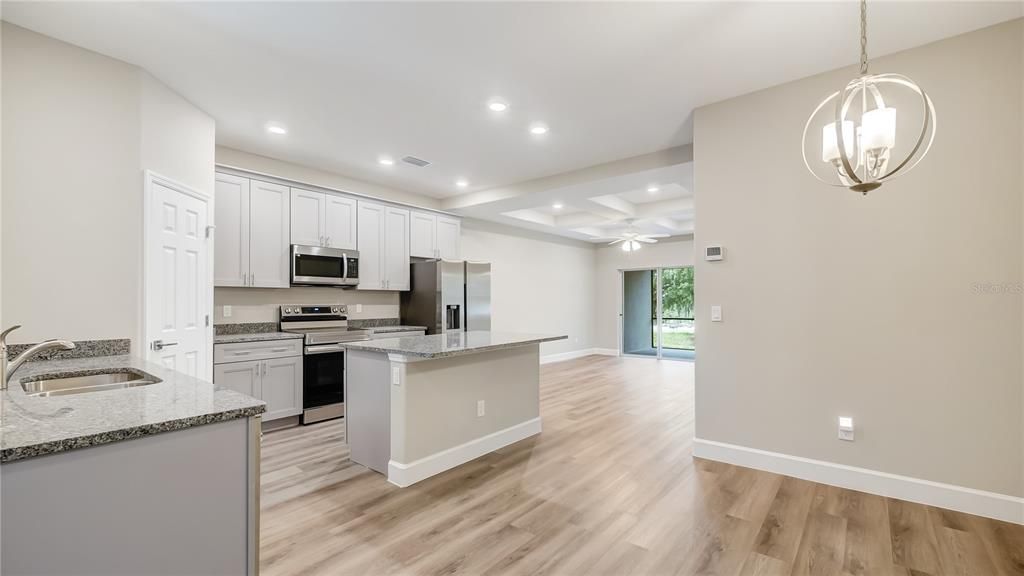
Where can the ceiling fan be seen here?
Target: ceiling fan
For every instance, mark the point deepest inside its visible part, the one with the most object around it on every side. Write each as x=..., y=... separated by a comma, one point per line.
x=633, y=240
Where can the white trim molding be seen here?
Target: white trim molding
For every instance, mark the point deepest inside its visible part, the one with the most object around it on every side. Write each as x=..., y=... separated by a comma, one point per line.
x=962, y=499
x=404, y=475
x=563, y=356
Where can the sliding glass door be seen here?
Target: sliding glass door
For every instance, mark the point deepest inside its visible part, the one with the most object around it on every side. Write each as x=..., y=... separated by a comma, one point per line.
x=657, y=313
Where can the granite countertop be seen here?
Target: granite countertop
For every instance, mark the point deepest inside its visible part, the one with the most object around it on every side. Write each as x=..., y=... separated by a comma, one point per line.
x=395, y=328
x=254, y=337
x=35, y=426
x=451, y=343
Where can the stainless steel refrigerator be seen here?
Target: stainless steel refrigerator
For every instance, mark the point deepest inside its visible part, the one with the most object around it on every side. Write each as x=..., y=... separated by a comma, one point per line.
x=448, y=295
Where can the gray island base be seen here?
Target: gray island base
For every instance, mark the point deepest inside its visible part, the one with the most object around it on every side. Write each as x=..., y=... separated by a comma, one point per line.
x=421, y=405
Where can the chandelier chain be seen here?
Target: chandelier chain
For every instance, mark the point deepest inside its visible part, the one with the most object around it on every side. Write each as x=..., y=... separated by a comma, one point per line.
x=863, y=37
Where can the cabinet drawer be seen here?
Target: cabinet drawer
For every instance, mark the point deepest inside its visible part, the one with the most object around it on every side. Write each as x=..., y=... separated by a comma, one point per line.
x=242, y=351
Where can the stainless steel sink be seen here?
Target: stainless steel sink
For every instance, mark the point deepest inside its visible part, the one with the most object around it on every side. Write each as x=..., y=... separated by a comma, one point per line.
x=56, y=386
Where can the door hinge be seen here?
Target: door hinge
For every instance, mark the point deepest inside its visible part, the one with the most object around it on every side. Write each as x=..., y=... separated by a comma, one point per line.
x=207, y=320
x=209, y=231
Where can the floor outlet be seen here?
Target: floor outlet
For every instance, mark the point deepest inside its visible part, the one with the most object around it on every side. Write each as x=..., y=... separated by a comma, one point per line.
x=481, y=408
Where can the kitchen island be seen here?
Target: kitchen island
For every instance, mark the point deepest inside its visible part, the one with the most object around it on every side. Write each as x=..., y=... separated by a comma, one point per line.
x=420, y=405
x=161, y=477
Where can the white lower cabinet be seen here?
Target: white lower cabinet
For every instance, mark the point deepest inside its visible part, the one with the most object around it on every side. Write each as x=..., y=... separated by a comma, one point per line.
x=277, y=380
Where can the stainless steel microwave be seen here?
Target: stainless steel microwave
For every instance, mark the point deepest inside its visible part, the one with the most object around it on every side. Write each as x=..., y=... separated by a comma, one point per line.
x=320, y=266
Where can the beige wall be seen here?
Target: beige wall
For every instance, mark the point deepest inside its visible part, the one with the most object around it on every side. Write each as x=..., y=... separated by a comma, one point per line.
x=297, y=172
x=79, y=130
x=838, y=304
x=667, y=253
x=539, y=283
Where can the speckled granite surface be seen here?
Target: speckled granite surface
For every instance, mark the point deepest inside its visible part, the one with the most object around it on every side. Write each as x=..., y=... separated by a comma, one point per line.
x=82, y=349
x=255, y=337
x=36, y=426
x=392, y=328
x=372, y=322
x=246, y=328
x=451, y=343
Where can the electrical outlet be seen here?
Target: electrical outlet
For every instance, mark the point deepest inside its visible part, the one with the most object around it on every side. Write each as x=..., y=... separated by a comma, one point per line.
x=359, y=308
x=846, y=428
x=481, y=408
x=716, y=313
x=227, y=311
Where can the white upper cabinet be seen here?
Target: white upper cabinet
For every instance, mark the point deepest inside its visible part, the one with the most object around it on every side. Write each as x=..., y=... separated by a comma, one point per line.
x=383, y=247
x=268, y=235
x=449, y=238
x=371, y=245
x=341, y=222
x=423, y=235
x=396, y=249
x=231, y=235
x=321, y=219
x=307, y=217
x=434, y=236
x=251, y=234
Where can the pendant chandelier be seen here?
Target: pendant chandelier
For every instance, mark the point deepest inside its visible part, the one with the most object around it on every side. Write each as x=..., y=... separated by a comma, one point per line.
x=858, y=142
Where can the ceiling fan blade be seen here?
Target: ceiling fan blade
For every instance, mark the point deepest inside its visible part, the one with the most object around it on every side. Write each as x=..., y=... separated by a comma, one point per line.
x=645, y=240
x=656, y=235
x=616, y=241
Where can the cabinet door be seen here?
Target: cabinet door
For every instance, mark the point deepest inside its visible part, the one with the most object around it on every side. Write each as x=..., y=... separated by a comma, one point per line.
x=423, y=235
x=370, y=232
x=307, y=222
x=449, y=238
x=282, y=387
x=268, y=234
x=396, y=249
x=340, y=231
x=231, y=235
x=241, y=377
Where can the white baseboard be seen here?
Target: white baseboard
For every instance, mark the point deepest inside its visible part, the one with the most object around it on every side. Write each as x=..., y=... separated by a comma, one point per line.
x=952, y=497
x=404, y=475
x=561, y=357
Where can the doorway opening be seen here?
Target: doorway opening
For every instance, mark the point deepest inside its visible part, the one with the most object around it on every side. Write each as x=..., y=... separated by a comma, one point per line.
x=657, y=313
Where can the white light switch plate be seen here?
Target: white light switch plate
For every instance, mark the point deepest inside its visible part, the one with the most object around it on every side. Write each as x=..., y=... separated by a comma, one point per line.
x=716, y=313
x=227, y=311
x=396, y=376
x=481, y=408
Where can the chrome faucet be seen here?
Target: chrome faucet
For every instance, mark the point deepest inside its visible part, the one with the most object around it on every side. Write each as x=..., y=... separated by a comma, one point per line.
x=7, y=369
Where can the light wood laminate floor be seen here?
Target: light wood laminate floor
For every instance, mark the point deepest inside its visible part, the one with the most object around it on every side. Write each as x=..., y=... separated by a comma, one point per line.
x=609, y=487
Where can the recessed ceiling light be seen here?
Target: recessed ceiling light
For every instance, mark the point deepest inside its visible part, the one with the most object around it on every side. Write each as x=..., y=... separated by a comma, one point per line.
x=385, y=161
x=538, y=129
x=653, y=189
x=461, y=183
x=558, y=205
x=275, y=128
x=497, y=106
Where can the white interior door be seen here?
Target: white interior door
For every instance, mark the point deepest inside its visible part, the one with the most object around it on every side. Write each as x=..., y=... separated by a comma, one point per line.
x=178, y=284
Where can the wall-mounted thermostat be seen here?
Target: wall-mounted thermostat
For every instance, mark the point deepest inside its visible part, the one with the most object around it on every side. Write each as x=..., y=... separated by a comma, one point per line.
x=713, y=253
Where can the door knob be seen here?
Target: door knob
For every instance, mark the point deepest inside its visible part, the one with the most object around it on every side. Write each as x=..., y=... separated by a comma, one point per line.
x=160, y=344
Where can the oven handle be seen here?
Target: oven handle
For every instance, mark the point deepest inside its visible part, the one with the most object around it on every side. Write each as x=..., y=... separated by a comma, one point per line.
x=325, y=349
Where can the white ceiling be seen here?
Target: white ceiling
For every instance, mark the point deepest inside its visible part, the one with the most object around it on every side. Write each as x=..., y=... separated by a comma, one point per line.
x=352, y=81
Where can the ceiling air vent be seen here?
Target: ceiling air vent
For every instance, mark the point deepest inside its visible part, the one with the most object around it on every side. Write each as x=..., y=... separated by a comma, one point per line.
x=415, y=161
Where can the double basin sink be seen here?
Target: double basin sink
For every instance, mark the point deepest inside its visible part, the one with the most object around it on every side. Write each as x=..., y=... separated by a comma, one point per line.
x=96, y=382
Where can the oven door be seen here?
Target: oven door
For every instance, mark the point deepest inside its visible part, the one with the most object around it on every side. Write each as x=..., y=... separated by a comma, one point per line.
x=323, y=383
x=319, y=266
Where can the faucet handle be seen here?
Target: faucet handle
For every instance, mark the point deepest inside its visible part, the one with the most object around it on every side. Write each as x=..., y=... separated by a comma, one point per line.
x=3, y=335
